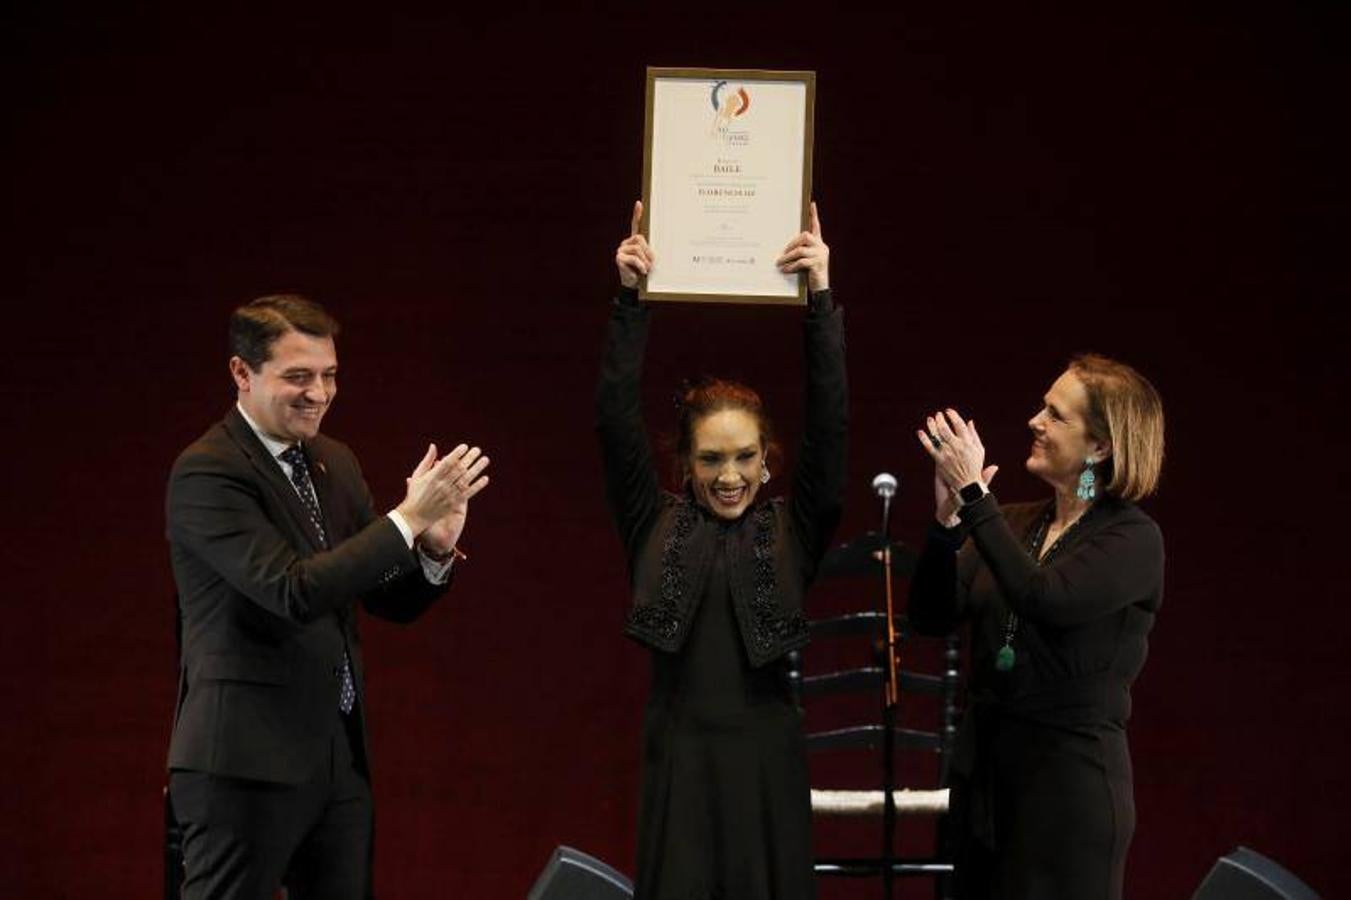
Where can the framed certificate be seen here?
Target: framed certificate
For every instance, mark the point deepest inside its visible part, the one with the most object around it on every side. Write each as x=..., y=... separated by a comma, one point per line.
x=727, y=182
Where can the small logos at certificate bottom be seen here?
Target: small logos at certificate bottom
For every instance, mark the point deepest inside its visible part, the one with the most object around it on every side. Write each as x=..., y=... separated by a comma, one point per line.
x=715, y=260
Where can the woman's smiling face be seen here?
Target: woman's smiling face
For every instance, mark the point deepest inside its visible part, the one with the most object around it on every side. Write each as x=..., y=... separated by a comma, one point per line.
x=1060, y=437
x=727, y=460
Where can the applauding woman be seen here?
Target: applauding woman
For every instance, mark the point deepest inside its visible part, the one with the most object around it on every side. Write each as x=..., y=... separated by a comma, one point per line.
x=718, y=572
x=1060, y=595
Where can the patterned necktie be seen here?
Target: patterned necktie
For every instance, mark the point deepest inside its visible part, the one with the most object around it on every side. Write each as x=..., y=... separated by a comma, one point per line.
x=300, y=477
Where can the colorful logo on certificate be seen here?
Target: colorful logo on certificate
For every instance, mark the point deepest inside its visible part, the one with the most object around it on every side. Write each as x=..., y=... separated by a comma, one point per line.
x=728, y=104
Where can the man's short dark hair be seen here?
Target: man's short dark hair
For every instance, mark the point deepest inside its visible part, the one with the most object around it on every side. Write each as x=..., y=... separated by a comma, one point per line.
x=256, y=326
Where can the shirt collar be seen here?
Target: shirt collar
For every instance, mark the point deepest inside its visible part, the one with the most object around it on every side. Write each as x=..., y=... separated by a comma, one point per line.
x=274, y=446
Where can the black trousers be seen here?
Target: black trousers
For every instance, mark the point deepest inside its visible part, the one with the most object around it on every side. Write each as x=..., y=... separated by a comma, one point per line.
x=243, y=839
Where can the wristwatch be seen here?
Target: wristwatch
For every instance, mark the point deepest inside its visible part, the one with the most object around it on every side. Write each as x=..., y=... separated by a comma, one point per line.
x=450, y=555
x=972, y=492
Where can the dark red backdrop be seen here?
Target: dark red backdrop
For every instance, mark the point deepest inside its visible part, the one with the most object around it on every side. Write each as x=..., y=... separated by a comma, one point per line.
x=999, y=190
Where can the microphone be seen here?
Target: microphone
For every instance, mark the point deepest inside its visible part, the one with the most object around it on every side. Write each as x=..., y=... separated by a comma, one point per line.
x=884, y=485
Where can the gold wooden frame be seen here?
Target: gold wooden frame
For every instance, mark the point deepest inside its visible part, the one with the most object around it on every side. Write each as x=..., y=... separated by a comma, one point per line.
x=808, y=79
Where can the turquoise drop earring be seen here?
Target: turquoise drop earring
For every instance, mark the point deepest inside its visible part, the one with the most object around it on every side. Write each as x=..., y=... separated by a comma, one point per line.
x=1088, y=482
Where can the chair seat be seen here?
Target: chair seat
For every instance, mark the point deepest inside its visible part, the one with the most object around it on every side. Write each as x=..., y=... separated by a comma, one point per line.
x=869, y=803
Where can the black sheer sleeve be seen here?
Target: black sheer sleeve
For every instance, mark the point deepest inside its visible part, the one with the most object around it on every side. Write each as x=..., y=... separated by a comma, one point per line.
x=817, y=496
x=630, y=480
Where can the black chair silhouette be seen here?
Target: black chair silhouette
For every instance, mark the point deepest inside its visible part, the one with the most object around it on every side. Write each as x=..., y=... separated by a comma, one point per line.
x=873, y=736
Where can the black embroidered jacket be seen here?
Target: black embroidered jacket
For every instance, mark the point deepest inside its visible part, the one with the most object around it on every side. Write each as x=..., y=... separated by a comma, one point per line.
x=670, y=541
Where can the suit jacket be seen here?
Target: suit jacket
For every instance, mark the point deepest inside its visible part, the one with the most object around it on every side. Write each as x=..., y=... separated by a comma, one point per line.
x=266, y=611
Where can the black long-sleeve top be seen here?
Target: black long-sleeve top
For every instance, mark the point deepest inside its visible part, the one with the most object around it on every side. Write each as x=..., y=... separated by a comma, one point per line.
x=1083, y=615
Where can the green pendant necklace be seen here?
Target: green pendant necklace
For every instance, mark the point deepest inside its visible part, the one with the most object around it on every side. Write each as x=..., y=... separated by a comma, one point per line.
x=1006, y=657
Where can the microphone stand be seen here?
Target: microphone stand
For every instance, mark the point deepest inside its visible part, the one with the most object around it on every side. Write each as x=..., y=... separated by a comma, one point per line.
x=890, y=700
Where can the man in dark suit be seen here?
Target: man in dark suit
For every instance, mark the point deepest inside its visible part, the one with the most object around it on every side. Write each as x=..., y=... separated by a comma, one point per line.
x=273, y=536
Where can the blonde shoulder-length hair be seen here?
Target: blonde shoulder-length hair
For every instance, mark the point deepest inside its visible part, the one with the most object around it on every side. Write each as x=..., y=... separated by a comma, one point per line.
x=1125, y=409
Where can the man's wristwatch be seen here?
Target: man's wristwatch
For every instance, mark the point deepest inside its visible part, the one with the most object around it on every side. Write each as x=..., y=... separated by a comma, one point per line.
x=450, y=555
x=972, y=492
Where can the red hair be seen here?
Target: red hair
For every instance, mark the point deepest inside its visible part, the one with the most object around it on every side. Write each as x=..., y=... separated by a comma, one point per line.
x=695, y=400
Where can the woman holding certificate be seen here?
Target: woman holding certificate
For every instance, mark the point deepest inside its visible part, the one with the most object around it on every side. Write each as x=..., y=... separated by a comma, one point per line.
x=718, y=572
x=1061, y=595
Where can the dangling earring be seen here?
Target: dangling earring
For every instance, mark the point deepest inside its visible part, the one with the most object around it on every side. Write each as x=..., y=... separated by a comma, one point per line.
x=1088, y=481
x=764, y=474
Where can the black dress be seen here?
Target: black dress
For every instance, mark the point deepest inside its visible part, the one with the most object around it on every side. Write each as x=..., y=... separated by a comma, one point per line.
x=725, y=806
x=1042, y=795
